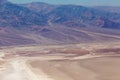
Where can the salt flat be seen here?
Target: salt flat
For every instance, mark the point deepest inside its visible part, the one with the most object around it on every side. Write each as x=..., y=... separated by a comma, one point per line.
x=103, y=68
x=61, y=62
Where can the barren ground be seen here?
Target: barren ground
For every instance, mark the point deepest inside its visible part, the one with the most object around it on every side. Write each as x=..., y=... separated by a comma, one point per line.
x=94, y=61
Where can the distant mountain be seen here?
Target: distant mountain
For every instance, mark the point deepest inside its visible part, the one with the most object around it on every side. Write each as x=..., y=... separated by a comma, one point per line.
x=17, y=16
x=40, y=7
x=72, y=15
x=40, y=14
x=108, y=8
x=79, y=15
x=3, y=2
x=41, y=23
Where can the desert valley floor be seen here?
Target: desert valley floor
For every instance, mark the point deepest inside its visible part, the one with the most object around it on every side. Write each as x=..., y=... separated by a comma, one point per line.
x=90, y=61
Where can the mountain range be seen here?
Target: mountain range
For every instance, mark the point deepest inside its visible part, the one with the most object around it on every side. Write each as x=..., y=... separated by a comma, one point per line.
x=42, y=23
x=108, y=8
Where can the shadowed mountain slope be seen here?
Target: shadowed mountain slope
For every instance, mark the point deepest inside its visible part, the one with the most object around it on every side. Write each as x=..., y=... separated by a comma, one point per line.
x=72, y=15
x=41, y=23
x=17, y=16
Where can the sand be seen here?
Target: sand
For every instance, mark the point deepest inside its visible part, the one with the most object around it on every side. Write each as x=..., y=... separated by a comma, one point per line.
x=107, y=68
x=17, y=69
x=61, y=62
x=103, y=68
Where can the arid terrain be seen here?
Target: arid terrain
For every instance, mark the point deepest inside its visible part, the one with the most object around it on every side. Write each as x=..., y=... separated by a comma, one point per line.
x=45, y=41
x=90, y=61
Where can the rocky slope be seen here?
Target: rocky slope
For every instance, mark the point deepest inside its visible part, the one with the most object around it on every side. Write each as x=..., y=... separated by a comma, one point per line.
x=41, y=23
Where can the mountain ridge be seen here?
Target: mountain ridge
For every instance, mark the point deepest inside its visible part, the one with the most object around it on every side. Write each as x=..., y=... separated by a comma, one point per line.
x=41, y=23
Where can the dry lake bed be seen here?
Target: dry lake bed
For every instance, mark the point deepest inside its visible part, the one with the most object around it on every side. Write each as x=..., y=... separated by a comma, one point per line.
x=93, y=61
